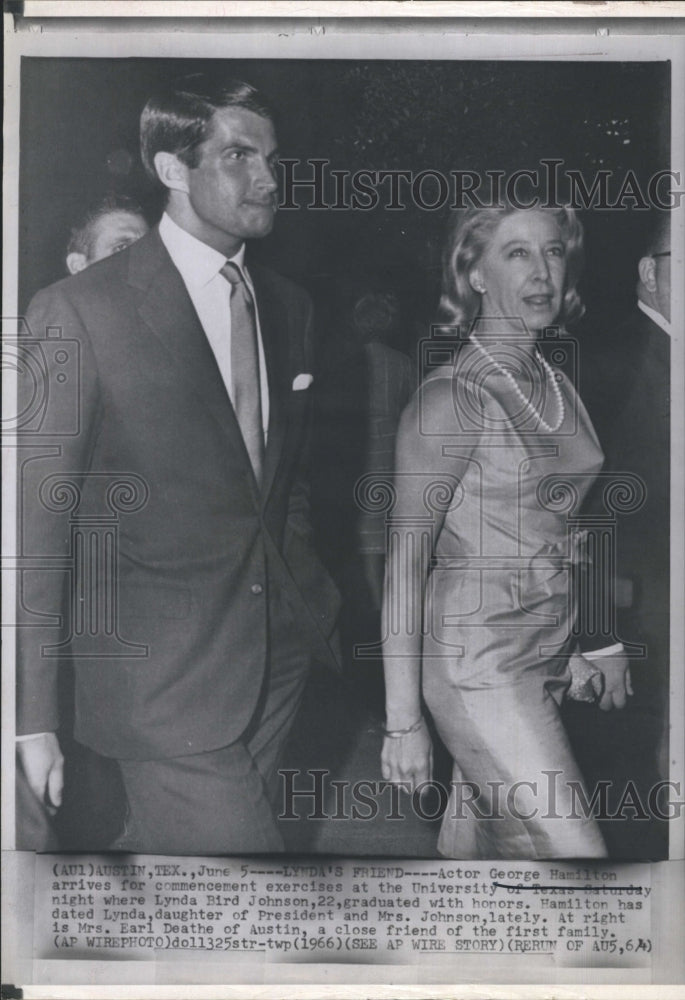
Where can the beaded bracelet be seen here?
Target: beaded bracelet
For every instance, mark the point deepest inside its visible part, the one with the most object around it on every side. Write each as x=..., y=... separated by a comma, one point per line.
x=397, y=734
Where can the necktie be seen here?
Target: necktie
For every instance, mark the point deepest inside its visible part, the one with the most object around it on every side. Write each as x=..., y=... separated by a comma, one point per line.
x=247, y=400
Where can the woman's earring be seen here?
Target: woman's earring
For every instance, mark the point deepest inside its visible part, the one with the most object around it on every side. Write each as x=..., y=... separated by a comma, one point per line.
x=477, y=282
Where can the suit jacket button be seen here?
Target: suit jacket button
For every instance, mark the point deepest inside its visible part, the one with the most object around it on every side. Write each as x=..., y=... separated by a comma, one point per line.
x=257, y=588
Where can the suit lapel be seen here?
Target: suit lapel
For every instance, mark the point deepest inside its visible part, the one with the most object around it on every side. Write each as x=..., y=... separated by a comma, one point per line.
x=655, y=371
x=273, y=328
x=166, y=308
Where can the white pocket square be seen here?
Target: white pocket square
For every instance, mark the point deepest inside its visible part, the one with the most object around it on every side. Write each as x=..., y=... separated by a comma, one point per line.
x=302, y=381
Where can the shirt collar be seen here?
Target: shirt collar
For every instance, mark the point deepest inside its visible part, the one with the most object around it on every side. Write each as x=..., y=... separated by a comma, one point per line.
x=655, y=316
x=197, y=262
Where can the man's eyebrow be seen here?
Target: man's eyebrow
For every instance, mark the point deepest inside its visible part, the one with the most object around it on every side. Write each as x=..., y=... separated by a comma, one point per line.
x=238, y=145
x=249, y=148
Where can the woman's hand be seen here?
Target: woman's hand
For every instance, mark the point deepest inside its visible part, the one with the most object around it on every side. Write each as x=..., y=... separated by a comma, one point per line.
x=617, y=682
x=408, y=759
x=587, y=681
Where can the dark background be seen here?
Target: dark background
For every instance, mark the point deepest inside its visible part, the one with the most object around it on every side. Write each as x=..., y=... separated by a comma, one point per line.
x=79, y=141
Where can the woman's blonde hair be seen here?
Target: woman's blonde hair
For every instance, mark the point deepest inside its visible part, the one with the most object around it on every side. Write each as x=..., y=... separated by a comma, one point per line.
x=468, y=239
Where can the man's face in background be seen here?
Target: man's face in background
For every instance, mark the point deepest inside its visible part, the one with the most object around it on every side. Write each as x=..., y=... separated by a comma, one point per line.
x=662, y=260
x=110, y=233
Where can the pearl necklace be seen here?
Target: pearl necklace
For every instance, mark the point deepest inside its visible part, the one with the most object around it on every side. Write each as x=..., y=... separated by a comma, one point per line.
x=561, y=410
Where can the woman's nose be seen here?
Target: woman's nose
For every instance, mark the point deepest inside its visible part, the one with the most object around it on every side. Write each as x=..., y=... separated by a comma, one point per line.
x=541, y=267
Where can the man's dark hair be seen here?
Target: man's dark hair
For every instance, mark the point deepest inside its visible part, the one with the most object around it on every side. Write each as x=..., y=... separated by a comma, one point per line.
x=177, y=118
x=658, y=233
x=83, y=232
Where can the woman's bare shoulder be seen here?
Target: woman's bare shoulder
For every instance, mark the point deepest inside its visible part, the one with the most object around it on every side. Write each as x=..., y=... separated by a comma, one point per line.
x=431, y=410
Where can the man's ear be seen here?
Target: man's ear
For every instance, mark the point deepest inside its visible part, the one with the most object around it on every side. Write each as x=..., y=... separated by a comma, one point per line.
x=647, y=271
x=171, y=171
x=76, y=262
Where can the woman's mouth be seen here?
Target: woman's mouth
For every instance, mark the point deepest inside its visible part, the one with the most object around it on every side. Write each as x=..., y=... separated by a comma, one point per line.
x=538, y=301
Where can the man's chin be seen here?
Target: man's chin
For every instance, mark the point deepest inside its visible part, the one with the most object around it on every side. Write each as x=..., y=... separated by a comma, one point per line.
x=257, y=232
x=260, y=223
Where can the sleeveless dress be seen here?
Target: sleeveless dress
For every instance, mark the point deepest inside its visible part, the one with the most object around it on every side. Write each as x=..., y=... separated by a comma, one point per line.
x=499, y=609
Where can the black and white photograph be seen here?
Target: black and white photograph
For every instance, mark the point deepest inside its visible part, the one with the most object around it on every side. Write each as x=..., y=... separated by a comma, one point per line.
x=342, y=391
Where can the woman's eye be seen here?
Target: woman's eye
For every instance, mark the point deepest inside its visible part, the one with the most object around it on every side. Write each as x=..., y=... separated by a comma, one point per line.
x=237, y=154
x=556, y=251
x=518, y=252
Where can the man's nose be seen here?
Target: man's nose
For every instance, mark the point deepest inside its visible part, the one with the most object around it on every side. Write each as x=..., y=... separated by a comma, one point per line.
x=266, y=177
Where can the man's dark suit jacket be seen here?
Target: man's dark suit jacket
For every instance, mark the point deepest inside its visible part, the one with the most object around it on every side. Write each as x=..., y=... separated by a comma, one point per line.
x=625, y=387
x=639, y=442
x=628, y=397
x=197, y=562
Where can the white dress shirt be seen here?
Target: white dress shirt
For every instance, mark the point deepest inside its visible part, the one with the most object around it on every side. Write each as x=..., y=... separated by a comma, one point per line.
x=655, y=316
x=200, y=265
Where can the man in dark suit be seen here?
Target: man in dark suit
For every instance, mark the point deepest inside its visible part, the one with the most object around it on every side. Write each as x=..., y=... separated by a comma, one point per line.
x=639, y=443
x=192, y=630
x=630, y=408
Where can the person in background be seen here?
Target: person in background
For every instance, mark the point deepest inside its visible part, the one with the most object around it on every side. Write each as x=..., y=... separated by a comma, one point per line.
x=105, y=228
x=639, y=442
x=628, y=394
x=108, y=227
x=390, y=383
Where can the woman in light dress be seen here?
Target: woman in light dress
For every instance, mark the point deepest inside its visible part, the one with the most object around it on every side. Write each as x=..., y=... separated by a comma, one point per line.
x=479, y=600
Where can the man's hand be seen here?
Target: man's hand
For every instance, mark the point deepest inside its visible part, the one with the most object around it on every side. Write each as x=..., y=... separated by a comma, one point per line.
x=617, y=683
x=43, y=765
